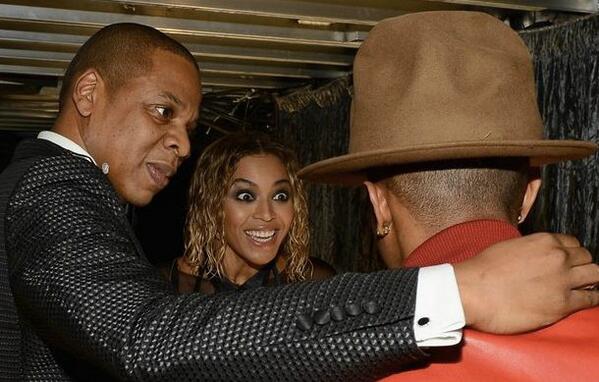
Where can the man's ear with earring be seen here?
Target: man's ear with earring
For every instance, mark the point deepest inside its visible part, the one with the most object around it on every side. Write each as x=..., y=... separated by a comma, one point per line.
x=530, y=195
x=384, y=231
x=380, y=208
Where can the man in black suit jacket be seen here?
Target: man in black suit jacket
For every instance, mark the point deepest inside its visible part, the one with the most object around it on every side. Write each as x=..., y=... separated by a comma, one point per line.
x=80, y=301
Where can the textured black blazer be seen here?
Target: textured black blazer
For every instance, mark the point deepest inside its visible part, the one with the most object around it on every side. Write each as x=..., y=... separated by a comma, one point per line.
x=90, y=306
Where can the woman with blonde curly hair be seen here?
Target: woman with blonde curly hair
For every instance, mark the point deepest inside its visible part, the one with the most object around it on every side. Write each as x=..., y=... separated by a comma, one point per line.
x=247, y=224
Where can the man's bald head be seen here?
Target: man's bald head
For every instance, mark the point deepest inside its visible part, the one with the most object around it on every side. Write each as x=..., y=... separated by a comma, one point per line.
x=119, y=52
x=437, y=193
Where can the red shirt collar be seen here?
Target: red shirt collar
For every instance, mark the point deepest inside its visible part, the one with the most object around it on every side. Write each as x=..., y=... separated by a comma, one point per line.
x=461, y=242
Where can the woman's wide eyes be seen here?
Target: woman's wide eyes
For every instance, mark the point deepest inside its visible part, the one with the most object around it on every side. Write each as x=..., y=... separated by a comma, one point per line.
x=281, y=196
x=245, y=196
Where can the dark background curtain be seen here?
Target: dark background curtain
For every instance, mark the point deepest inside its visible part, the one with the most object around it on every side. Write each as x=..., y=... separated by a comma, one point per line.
x=315, y=122
x=567, y=74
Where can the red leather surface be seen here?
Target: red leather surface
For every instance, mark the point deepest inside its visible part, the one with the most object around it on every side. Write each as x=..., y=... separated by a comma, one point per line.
x=566, y=351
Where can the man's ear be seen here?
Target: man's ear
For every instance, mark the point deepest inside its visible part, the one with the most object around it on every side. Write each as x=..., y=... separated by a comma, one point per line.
x=530, y=195
x=85, y=91
x=378, y=198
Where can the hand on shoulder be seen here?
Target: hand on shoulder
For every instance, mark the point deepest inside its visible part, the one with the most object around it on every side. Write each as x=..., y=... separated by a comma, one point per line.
x=527, y=283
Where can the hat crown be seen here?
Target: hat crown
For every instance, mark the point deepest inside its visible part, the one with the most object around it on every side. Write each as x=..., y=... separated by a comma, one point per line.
x=439, y=78
x=437, y=86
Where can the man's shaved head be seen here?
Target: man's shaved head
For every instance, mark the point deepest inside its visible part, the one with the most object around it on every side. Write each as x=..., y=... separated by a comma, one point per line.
x=437, y=192
x=119, y=52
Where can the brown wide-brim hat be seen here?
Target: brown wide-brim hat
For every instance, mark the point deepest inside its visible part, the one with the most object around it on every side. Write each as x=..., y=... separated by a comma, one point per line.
x=438, y=86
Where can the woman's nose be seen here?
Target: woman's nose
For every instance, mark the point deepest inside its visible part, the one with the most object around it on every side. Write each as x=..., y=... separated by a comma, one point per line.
x=264, y=211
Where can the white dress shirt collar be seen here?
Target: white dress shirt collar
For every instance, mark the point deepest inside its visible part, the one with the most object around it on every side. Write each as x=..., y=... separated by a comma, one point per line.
x=65, y=143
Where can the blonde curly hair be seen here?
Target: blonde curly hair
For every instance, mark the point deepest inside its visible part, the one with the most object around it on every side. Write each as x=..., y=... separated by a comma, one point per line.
x=205, y=228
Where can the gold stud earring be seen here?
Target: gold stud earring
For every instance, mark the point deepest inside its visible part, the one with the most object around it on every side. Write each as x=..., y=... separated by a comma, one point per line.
x=386, y=229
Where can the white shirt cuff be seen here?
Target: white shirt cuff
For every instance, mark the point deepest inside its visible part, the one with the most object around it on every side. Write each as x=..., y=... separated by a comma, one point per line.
x=439, y=315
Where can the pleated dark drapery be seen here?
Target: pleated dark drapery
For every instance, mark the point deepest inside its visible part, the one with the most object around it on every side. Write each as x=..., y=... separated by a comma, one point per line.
x=315, y=122
x=567, y=74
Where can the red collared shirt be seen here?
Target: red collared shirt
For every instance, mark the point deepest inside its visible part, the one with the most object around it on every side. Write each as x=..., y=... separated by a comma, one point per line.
x=566, y=351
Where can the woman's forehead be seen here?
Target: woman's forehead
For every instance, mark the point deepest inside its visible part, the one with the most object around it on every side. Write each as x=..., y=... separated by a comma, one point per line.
x=260, y=168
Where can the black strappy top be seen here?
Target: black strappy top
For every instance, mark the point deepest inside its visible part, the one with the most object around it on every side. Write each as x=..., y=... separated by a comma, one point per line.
x=185, y=283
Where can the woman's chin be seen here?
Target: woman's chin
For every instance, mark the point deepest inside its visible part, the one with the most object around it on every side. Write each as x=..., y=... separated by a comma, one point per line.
x=259, y=262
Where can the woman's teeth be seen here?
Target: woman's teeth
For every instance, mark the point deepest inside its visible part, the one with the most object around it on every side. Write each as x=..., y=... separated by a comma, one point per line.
x=261, y=236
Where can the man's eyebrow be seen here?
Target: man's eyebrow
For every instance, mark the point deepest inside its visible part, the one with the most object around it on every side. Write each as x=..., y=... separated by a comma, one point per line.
x=171, y=97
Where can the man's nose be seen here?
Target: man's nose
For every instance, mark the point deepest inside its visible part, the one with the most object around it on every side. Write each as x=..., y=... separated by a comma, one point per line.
x=177, y=140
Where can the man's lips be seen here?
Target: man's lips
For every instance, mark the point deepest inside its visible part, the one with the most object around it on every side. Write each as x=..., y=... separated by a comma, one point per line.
x=160, y=173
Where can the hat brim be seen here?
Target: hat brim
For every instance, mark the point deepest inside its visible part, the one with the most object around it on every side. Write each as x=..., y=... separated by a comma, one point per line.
x=351, y=169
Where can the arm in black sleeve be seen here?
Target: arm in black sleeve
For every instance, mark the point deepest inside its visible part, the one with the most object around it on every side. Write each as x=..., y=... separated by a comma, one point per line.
x=75, y=264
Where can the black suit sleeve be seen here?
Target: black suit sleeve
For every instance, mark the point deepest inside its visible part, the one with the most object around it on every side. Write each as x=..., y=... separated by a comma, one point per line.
x=85, y=289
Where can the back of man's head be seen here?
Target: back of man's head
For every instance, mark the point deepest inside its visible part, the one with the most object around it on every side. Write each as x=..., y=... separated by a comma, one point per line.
x=119, y=52
x=439, y=194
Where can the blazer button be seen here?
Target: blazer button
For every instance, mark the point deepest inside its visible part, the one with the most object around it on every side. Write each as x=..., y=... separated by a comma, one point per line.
x=370, y=307
x=322, y=317
x=353, y=309
x=304, y=321
x=337, y=313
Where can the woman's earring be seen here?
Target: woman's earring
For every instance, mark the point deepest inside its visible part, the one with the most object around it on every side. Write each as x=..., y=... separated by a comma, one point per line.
x=386, y=229
x=520, y=219
x=105, y=168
